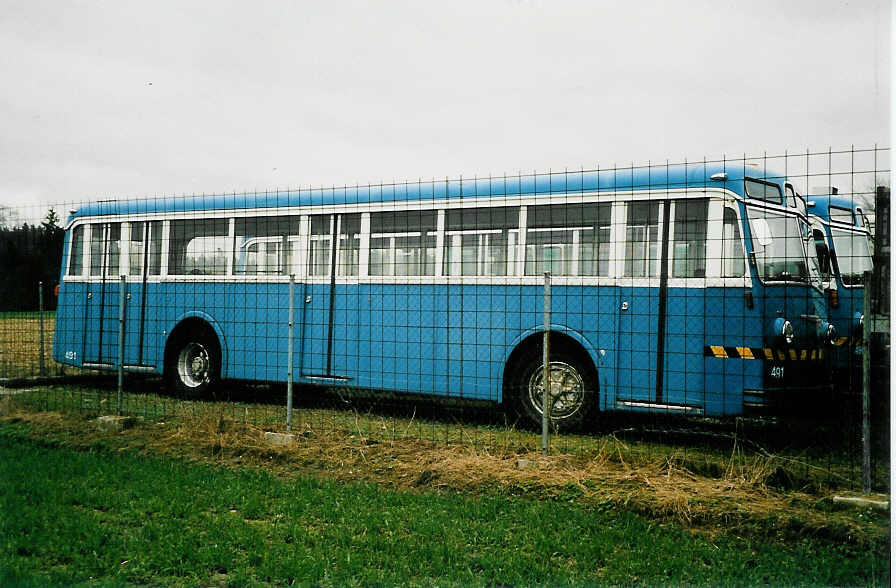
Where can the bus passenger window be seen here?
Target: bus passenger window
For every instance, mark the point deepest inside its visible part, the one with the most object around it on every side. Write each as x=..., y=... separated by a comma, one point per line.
x=403, y=243
x=568, y=239
x=479, y=241
x=319, y=245
x=689, y=245
x=135, y=249
x=198, y=247
x=76, y=255
x=349, y=245
x=733, y=264
x=139, y=232
x=155, y=248
x=105, y=249
x=265, y=245
x=641, y=239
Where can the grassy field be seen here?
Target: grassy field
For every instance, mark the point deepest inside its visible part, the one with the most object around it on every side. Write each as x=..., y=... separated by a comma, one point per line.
x=98, y=515
x=20, y=344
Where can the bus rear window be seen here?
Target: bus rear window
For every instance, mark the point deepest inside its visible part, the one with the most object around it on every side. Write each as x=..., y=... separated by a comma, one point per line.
x=76, y=263
x=763, y=190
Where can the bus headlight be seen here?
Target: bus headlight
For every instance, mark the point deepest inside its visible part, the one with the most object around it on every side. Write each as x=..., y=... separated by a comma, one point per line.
x=831, y=334
x=787, y=332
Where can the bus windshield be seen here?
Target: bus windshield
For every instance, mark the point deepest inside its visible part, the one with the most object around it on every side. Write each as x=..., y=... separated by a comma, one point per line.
x=853, y=255
x=779, y=244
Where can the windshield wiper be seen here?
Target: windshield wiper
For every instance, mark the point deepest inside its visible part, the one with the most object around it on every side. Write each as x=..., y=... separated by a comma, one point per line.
x=785, y=277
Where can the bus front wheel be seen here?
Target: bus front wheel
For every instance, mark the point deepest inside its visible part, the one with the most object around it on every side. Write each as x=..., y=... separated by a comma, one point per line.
x=573, y=388
x=193, y=365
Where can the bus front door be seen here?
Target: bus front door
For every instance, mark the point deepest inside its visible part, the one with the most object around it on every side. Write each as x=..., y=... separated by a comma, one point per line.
x=640, y=336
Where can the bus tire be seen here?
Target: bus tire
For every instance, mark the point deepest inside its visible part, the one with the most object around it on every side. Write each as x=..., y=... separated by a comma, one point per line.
x=193, y=364
x=573, y=389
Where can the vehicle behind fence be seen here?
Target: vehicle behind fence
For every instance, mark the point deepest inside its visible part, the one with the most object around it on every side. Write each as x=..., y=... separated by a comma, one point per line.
x=694, y=302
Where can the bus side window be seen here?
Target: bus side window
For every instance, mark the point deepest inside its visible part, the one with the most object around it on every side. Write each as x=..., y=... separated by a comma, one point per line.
x=641, y=239
x=76, y=255
x=733, y=264
x=689, y=246
x=403, y=243
x=155, y=248
x=568, y=239
x=791, y=196
x=265, y=245
x=105, y=249
x=319, y=245
x=823, y=253
x=198, y=247
x=863, y=219
x=477, y=241
x=349, y=245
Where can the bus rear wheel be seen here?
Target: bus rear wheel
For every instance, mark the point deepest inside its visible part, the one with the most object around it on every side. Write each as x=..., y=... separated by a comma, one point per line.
x=573, y=389
x=193, y=366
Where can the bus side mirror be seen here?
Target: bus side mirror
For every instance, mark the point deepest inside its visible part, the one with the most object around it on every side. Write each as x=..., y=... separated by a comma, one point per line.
x=761, y=231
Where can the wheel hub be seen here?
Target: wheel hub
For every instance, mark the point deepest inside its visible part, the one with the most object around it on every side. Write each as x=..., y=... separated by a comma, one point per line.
x=193, y=365
x=567, y=390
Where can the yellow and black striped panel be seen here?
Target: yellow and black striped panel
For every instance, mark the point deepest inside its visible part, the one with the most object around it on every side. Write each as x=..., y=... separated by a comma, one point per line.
x=847, y=341
x=726, y=352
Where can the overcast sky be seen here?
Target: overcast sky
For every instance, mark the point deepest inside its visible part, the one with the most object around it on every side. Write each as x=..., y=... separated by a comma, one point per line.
x=121, y=99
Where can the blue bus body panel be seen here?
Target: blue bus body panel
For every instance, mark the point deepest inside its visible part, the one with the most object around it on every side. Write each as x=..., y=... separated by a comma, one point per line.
x=449, y=341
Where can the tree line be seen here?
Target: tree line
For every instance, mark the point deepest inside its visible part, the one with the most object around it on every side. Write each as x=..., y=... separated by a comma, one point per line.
x=29, y=254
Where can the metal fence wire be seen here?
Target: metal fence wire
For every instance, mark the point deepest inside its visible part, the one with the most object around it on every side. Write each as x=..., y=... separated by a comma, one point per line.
x=693, y=304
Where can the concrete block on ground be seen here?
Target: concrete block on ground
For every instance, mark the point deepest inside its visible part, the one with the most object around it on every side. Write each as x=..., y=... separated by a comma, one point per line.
x=272, y=438
x=115, y=423
x=879, y=503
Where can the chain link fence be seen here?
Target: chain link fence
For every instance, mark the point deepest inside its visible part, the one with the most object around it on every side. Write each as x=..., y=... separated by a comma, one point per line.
x=409, y=314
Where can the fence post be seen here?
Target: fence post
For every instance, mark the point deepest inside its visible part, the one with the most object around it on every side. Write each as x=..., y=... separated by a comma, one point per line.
x=866, y=384
x=121, y=297
x=40, y=317
x=546, y=365
x=289, y=347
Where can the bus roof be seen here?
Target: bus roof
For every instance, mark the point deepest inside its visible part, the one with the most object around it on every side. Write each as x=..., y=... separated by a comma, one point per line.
x=692, y=175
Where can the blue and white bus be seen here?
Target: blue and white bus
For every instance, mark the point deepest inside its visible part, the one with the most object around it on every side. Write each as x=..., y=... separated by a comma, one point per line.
x=685, y=289
x=842, y=236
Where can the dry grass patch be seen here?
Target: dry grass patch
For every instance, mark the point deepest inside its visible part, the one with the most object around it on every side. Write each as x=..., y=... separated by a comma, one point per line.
x=661, y=487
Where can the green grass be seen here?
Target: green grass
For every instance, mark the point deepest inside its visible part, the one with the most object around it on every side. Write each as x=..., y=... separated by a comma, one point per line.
x=102, y=517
